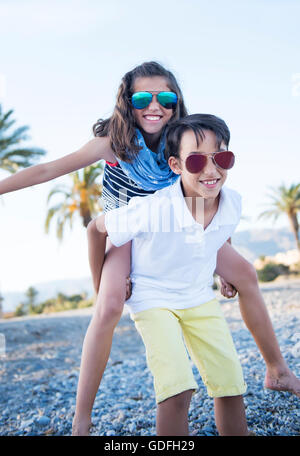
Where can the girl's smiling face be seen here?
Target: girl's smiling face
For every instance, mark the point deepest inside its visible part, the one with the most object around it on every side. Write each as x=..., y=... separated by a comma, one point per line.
x=152, y=119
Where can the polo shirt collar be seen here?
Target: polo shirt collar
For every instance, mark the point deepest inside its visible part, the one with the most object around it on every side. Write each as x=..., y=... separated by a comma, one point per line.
x=226, y=214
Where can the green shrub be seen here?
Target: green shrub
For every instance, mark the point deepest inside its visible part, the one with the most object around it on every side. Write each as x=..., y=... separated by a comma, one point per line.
x=85, y=303
x=295, y=268
x=58, y=304
x=271, y=270
x=20, y=310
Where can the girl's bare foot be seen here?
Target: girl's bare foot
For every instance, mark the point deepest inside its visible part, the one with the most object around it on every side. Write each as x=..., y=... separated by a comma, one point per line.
x=283, y=381
x=81, y=428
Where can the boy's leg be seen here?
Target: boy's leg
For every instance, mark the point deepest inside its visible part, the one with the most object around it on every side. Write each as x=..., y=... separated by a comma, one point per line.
x=172, y=415
x=242, y=275
x=98, y=338
x=211, y=347
x=170, y=366
x=230, y=416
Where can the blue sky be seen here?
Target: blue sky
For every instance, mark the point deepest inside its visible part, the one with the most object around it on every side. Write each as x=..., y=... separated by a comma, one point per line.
x=61, y=64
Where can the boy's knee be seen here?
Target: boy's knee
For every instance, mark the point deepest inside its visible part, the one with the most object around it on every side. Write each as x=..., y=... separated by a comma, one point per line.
x=179, y=402
x=229, y=400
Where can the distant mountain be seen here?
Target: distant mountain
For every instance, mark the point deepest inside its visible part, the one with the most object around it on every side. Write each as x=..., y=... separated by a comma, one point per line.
x=254, y=243
x=251, y=244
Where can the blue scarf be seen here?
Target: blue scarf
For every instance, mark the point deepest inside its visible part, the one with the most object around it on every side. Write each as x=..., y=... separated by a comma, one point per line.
x=148, y=169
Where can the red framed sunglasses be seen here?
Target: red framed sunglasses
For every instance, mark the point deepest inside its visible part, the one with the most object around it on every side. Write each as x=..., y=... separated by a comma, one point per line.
x=196, y=162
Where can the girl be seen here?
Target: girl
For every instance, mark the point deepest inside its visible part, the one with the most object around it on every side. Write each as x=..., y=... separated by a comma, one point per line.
x=132, y=143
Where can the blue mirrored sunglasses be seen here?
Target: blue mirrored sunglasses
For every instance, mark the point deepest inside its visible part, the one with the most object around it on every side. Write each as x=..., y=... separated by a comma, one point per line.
x=141, y=100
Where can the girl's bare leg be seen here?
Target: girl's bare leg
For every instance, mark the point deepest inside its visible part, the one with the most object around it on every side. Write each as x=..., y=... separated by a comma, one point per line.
x=172, y=415
x=98, y=338
x=230, y=416
x=242, y=275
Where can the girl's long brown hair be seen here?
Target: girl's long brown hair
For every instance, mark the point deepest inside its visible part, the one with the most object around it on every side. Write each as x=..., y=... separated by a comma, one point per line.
x=120, y=127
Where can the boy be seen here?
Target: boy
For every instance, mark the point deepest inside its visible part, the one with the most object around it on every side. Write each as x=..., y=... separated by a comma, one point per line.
x=172, y=296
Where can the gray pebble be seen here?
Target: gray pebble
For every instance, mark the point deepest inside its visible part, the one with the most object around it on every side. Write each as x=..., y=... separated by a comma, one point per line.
x=43, y=421
x=132, y=427
x=26, y=423
x=41, y=376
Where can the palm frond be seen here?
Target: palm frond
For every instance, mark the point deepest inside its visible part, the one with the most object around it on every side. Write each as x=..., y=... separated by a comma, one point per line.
x=51, y=212
x=61, y=224
x=81, y=197
x=63, y=189
x=4, y=124
x=13, y=157
x=19, y=135
x=23, y=152
x=274, y=214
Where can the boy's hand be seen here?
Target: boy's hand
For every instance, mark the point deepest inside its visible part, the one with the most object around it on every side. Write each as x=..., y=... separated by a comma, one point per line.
x=227, y=290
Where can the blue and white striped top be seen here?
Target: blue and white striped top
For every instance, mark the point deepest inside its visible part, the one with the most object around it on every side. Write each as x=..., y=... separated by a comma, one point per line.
x=118, y=188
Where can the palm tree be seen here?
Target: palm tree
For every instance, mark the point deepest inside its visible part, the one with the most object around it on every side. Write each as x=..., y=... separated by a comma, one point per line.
x=82, y=198
x=12, y=156
x=31, y=295
x=285, y=201
x=30, y=305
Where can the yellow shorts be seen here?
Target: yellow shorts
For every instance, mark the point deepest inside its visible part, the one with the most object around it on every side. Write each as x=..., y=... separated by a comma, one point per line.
x=209, y=343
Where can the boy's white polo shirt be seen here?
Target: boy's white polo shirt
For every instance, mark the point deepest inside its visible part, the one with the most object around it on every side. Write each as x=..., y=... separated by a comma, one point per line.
x=173, y=257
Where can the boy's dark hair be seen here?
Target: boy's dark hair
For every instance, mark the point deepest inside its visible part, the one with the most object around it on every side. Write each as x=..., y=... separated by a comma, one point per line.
x=196, y=123
x=120, y=127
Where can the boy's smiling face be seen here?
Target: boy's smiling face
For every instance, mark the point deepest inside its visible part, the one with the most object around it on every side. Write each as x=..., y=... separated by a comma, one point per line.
x=198, y=184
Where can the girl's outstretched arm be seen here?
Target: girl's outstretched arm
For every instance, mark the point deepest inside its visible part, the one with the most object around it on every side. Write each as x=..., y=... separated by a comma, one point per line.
x=93, y=151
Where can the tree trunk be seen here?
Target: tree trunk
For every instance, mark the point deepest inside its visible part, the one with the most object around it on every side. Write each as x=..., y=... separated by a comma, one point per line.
x=86, y=219
x=295, y=229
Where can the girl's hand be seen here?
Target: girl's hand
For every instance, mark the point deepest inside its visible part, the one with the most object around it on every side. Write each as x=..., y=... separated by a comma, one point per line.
x=128, y=288
x=227, y=290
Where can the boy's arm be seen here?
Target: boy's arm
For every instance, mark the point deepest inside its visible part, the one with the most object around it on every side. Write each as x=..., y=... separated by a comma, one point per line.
x=227, y=289
x=97, y=235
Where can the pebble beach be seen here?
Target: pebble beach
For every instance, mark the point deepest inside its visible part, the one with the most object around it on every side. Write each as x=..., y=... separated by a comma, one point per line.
x=39, y=374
